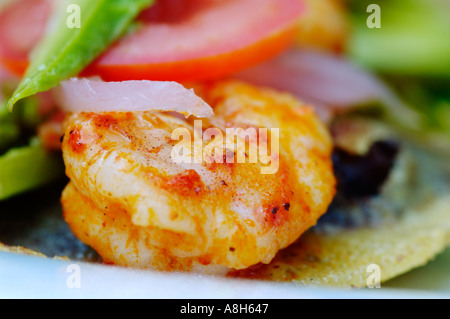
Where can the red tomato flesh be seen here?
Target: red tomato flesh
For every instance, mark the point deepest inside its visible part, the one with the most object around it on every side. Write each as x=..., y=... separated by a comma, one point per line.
x=179, y=40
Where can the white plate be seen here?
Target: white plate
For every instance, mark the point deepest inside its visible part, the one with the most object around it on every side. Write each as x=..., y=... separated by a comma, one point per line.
x=34, y=277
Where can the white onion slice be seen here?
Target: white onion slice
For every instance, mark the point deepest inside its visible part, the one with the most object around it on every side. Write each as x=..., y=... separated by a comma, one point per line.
x=91, y=95
x=329, y=82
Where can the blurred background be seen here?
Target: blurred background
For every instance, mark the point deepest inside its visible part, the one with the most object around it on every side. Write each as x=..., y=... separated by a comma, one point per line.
x=411, y=50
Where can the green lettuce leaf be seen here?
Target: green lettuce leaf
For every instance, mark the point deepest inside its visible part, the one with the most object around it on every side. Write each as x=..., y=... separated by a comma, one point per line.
x=65, y=52
x=16, y=127
x=28, y=167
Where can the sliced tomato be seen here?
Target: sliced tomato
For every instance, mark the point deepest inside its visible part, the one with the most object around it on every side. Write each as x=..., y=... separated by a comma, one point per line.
x=179, y=40
x=22, y=24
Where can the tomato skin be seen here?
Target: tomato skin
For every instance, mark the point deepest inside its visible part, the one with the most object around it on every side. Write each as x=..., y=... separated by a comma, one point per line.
x=16, y=66
x=202, y=69
x=17, y=39
x=206, y=62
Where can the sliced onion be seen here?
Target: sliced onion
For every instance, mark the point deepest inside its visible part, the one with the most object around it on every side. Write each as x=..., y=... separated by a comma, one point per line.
x=92, y=95
x=329, y=82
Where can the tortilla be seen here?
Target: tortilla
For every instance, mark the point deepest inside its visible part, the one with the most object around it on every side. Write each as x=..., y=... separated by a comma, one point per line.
x=402, y=228
x=19, y=250
x=344, y=259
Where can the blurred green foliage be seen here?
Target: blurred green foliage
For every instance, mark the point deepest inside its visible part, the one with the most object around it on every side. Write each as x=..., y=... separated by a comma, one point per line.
x=411, y=51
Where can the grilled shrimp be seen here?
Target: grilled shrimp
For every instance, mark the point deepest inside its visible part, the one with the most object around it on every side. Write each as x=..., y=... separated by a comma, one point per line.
x=137, y=206
x=325, y=25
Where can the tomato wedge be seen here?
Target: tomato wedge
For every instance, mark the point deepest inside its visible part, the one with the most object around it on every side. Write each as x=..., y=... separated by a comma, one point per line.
x=179, y=40
x=22, y=24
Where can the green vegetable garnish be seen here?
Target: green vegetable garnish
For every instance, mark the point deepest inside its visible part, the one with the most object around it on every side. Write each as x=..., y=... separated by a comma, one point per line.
x=28, y=167
x=413, y=39
x=9, y=133
x=24, y=165
x=16, y=127
x=411, y=51
x=66, y=51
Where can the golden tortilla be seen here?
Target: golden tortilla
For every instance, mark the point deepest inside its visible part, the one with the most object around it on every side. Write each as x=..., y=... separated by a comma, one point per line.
x=343, y=259
x=402, y=228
